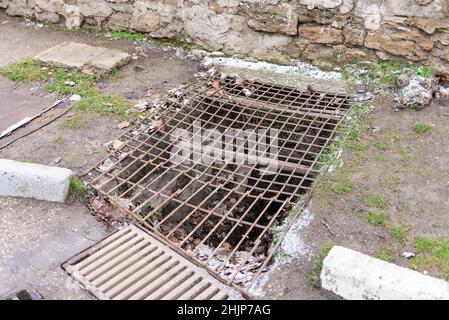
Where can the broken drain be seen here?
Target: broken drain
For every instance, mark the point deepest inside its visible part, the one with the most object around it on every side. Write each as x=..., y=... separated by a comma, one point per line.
x=218, y=168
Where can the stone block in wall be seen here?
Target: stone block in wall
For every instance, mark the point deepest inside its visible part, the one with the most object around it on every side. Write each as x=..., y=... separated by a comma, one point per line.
x=354, y=35
x=72, y=15
x=317, y=33
x=158, y=18
x=328, y=17
x=281, y=17
x=19, y=8
x=95, y=12
x=49, y=6
x=4, y=4
x=399, y=41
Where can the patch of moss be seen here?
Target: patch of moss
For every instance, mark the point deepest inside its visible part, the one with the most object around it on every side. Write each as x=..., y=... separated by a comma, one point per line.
x=314, y=275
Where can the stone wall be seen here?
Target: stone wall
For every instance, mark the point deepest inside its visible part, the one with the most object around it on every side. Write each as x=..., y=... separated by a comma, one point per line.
x=320, y=31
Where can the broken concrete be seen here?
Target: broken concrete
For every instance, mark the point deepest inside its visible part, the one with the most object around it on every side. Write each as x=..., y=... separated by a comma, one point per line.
x=27, y=180
x=83, y=56
x=374, y=279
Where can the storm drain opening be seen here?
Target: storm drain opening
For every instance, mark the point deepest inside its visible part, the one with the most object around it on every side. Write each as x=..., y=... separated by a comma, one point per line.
x=132, y=265
x=218, y=169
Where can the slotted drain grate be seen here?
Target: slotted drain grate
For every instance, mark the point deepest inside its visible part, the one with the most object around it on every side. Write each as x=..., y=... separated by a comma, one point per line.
x=131, y=265
x=197, y=175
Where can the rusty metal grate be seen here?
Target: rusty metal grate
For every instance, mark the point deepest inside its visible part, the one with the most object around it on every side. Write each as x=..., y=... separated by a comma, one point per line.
x=132, y=265
x=229, y=215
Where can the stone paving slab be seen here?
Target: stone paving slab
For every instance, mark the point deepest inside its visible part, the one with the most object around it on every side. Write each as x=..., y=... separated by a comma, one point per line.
x=79, y=56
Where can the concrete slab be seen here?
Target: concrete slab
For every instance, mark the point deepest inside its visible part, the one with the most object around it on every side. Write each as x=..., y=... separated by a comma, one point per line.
x=79, y=56
x=356, y=276
x=29, y=180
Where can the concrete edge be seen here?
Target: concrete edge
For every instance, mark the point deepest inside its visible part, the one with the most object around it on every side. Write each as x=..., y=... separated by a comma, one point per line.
x=29, y=180
x=356, y=276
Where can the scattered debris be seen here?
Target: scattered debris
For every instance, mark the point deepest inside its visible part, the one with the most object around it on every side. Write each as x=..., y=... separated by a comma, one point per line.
x=57, y=160
x=70, y=83
x=408, y=255
x=106, y=166
x=402, y=81
x=123, y=125
x=443, y=93
x=75, y=97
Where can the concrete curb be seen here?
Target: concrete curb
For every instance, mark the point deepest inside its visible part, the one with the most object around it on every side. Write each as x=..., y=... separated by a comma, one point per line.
x=26, y=180
x=355, y=276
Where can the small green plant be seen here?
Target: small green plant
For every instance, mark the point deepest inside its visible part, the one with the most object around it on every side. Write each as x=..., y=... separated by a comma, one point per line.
x=386, y=254
x=78, y=121
x=425, y=72
x=77, y=189
x=378, y=218
x=421, y=127
x=399, y=232
x=126, y=35
x=314, y=275
x=381, y=145
x=377, y=201
x=27, y=71
x=346, y=74
x=342, y=186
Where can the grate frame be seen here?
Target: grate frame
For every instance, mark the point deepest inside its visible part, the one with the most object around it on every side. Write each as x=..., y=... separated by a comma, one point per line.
x=314, y=119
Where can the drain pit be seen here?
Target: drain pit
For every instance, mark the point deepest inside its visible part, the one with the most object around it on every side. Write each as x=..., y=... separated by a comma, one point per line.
x=220, y=169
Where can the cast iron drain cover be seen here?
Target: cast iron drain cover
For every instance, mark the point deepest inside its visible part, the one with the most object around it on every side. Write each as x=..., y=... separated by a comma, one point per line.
x=132, y=265
x=218, y=170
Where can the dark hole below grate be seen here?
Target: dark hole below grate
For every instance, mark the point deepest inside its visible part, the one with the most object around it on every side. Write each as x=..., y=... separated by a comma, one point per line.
x=225, y=213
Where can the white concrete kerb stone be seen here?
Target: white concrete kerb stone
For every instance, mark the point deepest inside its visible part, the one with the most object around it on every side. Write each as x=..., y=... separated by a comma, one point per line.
x=28, y=180
x=356, y=276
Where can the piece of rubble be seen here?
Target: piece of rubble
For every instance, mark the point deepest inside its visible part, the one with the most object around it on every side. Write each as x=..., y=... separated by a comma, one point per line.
x=79, y=56
x=408, y=255
x=418, y=93
x=443, y=93
x=402, y=80
x=123, y=125
x=75, y=97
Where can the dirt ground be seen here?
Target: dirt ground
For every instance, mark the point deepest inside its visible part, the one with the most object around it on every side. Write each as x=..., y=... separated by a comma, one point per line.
x=409, y=170
x=81, y=149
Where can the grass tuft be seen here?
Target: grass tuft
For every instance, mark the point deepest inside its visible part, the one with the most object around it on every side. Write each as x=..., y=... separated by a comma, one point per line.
x=399, y=232
x=105, y=105
x=421, y=127
x=314, y=276
x=27, y=71
x=386, y=254
x=432, y=253
x=378, y=218
x=377, y=201
x=77, y=189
